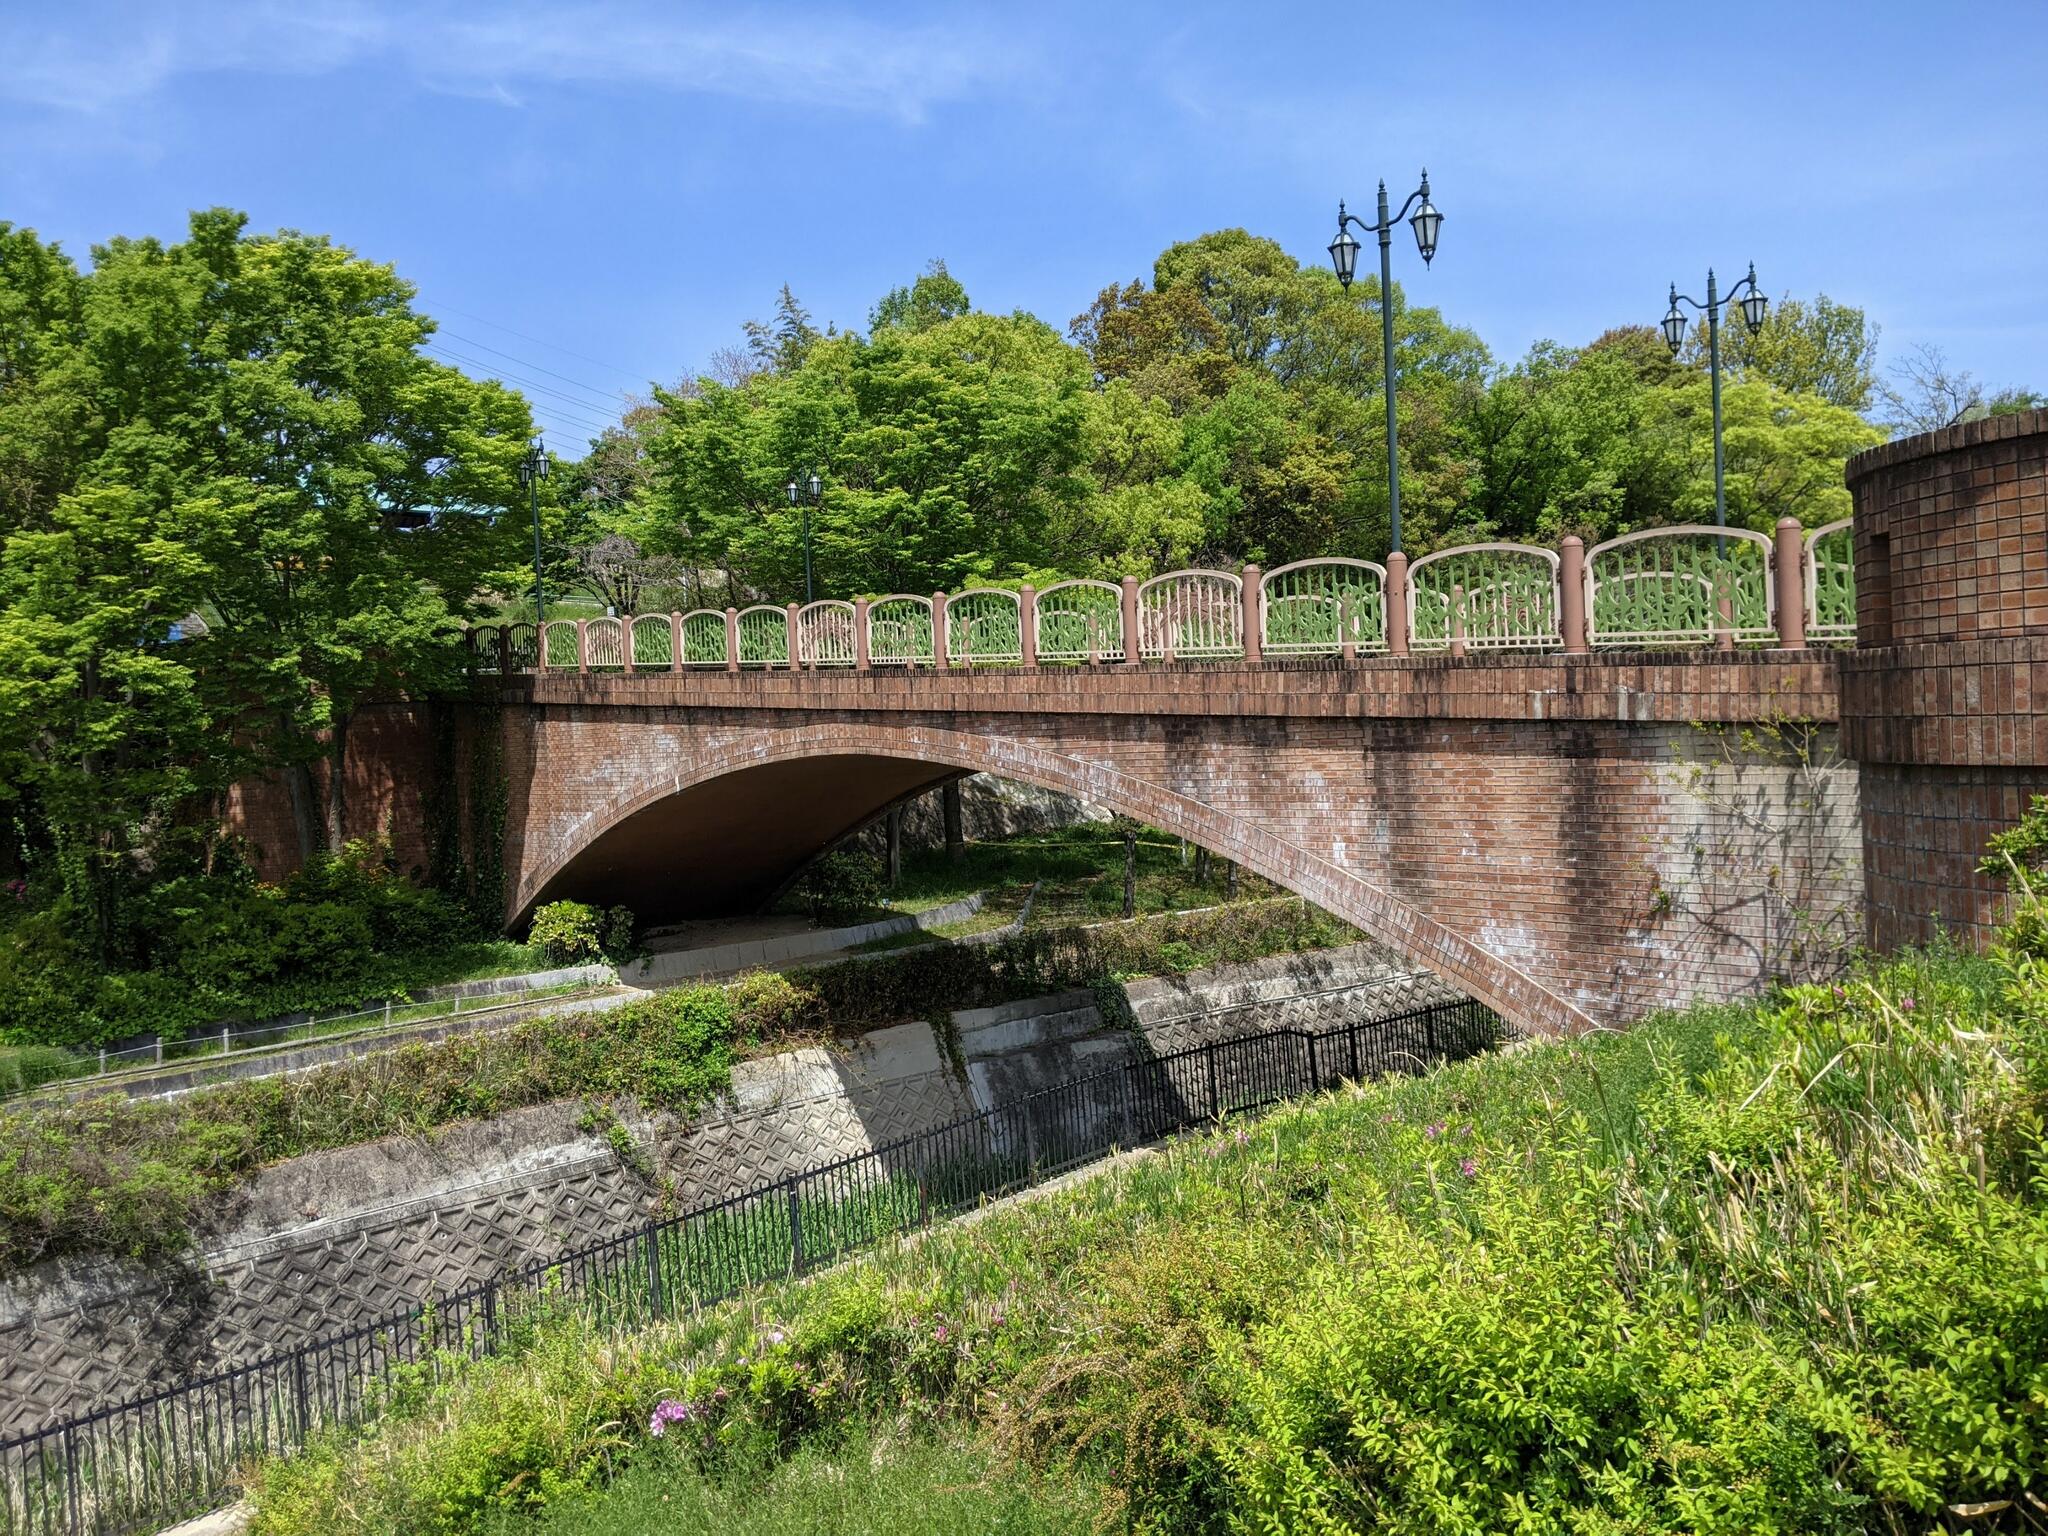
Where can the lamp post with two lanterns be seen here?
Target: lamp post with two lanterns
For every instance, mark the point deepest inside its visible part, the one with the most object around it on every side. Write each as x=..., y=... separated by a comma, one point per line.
x=1753, y=305
x=1344, y=256
x=807, y=494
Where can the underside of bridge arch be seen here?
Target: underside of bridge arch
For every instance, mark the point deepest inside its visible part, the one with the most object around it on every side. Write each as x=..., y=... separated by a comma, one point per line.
x=729, y=843
x=730, y=824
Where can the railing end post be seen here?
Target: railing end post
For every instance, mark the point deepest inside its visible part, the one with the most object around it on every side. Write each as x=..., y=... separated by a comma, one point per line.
x=1788, y=572
x=1254, y=612
x=1571, y=597
x=941, y=626
x=732, y=638
x=1133, y=650
x=1395, y=607
x=861, y=609
x=1027, y=624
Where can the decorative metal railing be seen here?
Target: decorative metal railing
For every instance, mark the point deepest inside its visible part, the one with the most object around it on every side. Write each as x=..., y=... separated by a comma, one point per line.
x=1680, y=586
x=1081, y=621
x=1657, y=588
x=825, y=634
x=1487, y=597
x=1191, y=616
x=764, y=636
x=705, y=638
x=653, y=637
x=141, y=1464
x=985, y=628
x=900, y=632
x=1830, y=585
x=1324, y=608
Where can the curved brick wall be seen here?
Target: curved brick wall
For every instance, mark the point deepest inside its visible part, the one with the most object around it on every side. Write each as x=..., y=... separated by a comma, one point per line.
x=1945, y=699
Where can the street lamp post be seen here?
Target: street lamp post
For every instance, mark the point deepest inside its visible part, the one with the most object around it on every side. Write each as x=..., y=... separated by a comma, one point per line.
x=1344, y=256
x=807, y=494
x=1753, y=305
x=533, y=469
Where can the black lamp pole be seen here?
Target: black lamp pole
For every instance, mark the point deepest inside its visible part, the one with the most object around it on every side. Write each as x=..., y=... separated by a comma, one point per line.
x=1344, y=256
x=533, y=469
x=807, y=494
x=1674, y=332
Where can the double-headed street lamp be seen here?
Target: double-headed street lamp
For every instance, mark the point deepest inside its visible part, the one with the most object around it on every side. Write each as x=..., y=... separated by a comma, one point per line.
x=533, y=469
x=1344, y=256
x=807, y=493
x=1753, y=306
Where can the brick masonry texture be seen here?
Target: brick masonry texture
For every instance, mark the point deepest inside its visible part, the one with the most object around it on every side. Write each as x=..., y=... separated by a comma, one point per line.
x=1945, y=702
x=1530, y=828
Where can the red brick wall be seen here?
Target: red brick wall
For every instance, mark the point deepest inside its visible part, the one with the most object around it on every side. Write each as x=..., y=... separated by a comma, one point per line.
x=389, y=760
x=1554, y=833
x=1945, y=700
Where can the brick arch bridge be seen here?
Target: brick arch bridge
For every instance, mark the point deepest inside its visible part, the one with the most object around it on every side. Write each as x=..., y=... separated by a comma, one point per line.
x=1554, y=834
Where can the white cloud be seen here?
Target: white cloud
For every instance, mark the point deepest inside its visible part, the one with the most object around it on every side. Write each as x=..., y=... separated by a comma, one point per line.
x=785, y=55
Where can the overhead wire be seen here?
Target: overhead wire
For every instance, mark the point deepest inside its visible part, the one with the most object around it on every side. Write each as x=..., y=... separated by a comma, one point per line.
x=564, y=405
x=551, y=346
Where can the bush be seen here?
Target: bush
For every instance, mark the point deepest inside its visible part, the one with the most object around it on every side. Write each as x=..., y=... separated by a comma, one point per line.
x=110, y=1175
x=567, y=933
x=841, y=887
x=1703, y=1276
x=23, y=1067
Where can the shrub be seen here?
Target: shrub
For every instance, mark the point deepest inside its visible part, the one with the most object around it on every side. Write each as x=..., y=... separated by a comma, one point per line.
x=841, y=887
x=108, y=1174
x=618, y=939
x=30, y=1066
x=567, y=933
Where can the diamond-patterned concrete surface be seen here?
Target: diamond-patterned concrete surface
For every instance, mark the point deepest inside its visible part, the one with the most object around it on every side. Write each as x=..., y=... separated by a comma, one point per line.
x=87, y=1340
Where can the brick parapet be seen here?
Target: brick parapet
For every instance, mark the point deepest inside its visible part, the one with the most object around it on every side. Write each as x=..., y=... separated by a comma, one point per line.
x=1669, y=688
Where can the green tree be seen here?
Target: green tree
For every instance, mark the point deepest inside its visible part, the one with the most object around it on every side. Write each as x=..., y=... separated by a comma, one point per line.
x=934, y=297
x=104, y=725
x=1816, y=348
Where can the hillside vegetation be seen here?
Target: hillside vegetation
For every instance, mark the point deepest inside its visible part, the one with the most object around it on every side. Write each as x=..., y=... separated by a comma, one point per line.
x=1778, y=1267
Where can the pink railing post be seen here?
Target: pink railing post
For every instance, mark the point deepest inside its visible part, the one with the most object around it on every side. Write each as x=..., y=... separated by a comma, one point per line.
x=504, y=649
x=1457, y=619
x=1130, y=611
x=1724, y=635
x=626, y=643
x=1788, y=570
x=1571, y=597
x=860, y=634
x=940, y=661
x=1253, y=624
x=675, y=642
x=1347, y=643
x=1027, y=624
x=583, y=645
x=540, y=648
x=732, y=639
x=1396, y=605
x=796, y=658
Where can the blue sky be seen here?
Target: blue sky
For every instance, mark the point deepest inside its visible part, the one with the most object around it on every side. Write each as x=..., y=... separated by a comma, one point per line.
x=605, y=192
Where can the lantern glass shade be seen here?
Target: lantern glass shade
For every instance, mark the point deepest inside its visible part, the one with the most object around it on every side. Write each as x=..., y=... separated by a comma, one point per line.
x=817, y=487
x=1674, y=328
x=1426, y=223
x=1344, y=256
x=792, y=493
x=1753, y=306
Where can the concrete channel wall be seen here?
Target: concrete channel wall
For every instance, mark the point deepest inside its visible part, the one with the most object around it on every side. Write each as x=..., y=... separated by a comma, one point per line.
x=344, y=1237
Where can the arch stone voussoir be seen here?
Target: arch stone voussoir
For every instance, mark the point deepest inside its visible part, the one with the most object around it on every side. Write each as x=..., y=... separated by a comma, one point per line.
x=710, y=754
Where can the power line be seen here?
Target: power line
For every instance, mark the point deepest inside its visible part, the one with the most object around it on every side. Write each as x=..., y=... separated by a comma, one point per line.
x=536, y=367
x=570, y=406
x=551, y=346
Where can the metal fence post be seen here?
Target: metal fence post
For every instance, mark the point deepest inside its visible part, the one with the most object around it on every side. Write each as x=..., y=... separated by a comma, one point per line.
x=71, y=1476
x=1315, y=1078
x=1030, y=1140
x=796, y=1230
x=1209, y=1059
x=299, y=1393
x=654, y=1269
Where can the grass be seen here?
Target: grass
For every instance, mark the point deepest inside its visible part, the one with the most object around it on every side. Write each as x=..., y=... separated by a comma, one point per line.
x=1764, y=1268
x=866, y=1483
x=1079, y=871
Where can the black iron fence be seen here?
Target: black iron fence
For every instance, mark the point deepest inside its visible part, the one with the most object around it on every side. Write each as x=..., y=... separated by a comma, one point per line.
x=173, y=1453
